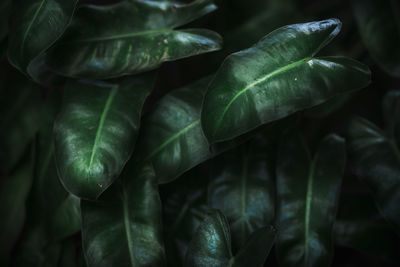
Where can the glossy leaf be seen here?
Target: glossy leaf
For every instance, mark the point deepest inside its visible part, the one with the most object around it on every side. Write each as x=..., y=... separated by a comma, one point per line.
x=379, y=25
x=130, y=37
x=124, y=227
x=307, y=200
x=13, y=194
x=242, y=187
x=184, y=207
x=96, y=131
x=211, y=245
x=277, y=77
x=360, y=226
x=35, y=26
x=375, y=158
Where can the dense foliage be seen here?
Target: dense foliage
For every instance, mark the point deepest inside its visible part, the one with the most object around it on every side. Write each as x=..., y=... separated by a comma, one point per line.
x=199, y=133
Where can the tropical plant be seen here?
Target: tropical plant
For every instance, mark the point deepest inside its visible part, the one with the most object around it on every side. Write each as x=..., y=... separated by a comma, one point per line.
x=133, y=135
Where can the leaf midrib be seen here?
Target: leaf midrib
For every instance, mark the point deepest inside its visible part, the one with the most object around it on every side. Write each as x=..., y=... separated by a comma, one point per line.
x=101, y=124
x=309, y=196
x=258, y=81
x=172, y=138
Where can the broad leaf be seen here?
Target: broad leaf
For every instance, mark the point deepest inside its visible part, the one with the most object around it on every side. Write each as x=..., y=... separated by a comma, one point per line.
x=35, y=26
x=360, y=226
x=379, y=24
x=307, y=200
x=130, y=37
x=242, y=187
x=96, y=131
x=184, y=207
x=375, y=158
x=124, y=227
x=211, y=245
x=276, y=77
x=13, y=194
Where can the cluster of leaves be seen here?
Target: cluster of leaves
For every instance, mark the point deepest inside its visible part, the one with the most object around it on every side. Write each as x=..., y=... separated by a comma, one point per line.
x=99, y=170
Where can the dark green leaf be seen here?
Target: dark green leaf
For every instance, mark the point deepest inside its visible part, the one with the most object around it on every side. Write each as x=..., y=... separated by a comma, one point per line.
x=35, y=26
x=308, y=196
x=13, y=194
x=360, y=226
x=184, y=207
x=375, y=158
x=379, y=24
x=123, y=228
x=211, y=245
x=242, y=187
x=130, y=37
x=96, y=131
x=328, y=107
x=276, y=77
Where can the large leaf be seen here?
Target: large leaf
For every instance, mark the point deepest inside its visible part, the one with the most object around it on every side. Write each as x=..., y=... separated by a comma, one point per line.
x=307, y=200
x=96, y=131
x=130, y=37
x=276, y=77
x=379, y=24
x=13, y=194
x=360, y=226
x=124, y=227
x=171, y=137
x=375, y=157
x=35, y=26
x=242, y=187
x=211, y=245
x=184, y=207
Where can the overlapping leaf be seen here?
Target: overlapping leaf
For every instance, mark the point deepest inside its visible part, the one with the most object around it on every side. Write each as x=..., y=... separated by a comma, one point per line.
x=276, y=77
x=242, y=187
x=307, y=200
x=96, y=131
x=35, y=26
x=130, y=37
x=379, y=26
x=375, y=158
x=124, y=227
x=211, y=245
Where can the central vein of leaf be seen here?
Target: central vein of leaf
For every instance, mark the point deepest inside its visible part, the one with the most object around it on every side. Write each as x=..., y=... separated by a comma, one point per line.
x=172, y=138
x=256, y=82
x=309, y=196
x=103, y=117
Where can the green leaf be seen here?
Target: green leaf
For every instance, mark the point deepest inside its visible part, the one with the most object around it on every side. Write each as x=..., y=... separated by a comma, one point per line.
x=96, y=131
x=13, y=194
x=130, y=37
x=22, y=112
x=242, y=187
x=327, y=108
x=277, y=77
x=184, y=207
x=124, y=227
x=360, y=226
x=379, y=25
x=375, y=158
x=211, y=245
x=35, y=26
x=307, y=199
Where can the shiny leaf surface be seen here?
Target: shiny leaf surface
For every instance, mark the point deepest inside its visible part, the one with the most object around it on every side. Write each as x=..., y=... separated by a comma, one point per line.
x=379, y=25
x=130, y=37
x=96, y=131
x=307, y=200
x=276, y=77
x=124, y=227
x=211, y=245
x=35, y=26
x=375, y=158
x=242, y=187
